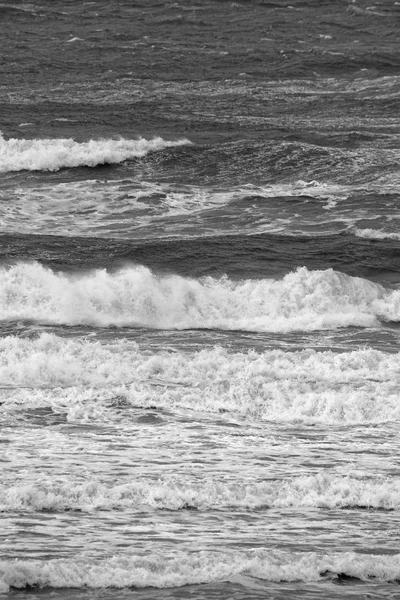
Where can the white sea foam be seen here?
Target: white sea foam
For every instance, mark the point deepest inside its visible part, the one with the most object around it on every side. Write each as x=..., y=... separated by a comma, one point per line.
x=324, y=490
x=119, y=208
x=112, y=208
x=197, y=567
x=81, y=379
x=312, y=188
x=54, y=154
x=376, y=234
x=302, y=301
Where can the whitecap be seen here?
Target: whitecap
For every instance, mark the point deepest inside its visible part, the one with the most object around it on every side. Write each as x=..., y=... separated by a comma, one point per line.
x=303, y=300
x=376, y=234
x=323, y=490
x=53, y=154
x=206, y=566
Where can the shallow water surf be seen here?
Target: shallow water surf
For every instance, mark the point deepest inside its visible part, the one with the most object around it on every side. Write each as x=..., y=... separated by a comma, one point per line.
x=203, y=568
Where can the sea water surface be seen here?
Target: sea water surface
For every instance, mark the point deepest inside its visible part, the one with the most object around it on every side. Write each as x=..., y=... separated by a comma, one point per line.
x=199, y=299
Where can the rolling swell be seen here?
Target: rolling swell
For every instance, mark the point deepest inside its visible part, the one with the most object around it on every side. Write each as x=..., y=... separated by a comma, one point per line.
x=233, y=163
x=273, y=161
x=226, y=26
x=237, y=256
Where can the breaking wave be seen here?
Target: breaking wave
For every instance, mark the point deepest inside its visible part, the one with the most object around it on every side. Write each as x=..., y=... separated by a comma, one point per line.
x=89, y=382
x=323, y=491
x=134, y=296
x=181, y=568
x=375, y=234
x=55, y=154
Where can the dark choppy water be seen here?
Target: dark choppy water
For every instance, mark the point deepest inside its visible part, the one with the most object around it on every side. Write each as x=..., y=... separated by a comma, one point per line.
x=199, y=299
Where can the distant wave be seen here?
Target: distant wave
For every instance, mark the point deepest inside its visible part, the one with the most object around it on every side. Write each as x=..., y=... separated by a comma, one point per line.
x=102, y=382
x=302, y=301
x=55, y=154
x=323, y=490
x=206, y=566
x=375, y=234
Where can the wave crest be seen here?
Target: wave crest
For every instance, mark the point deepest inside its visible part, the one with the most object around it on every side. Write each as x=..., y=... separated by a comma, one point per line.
x=196, y=567
x=323, y=490
x=376, y=234
x=134, y=296
x=55, y=154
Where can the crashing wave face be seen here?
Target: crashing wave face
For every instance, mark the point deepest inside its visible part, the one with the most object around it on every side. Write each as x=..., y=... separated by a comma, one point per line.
x=55, y=154
x=303, y=300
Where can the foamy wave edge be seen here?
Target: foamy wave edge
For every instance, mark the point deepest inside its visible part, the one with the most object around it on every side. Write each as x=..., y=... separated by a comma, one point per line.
x=82, y=380
x=324, y=490
x=375, y=234
x=196, y=568
x=55, y=154
x=302, y=301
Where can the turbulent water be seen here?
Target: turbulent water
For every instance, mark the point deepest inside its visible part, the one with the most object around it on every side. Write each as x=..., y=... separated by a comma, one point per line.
x=199, y=299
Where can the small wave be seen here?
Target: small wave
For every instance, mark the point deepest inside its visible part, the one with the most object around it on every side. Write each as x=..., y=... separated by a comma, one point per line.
x=302, y=301
x=29, y=8
x=375, y=234
x=80, y=380
x=55, y=154
x=272, y=163
x=196, y=567
x=323, y=491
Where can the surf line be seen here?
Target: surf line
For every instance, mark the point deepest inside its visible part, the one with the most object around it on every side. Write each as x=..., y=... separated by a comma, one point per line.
x=154, y=382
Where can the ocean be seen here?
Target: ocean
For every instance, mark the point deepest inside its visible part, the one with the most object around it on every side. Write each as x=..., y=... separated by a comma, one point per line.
x=199, y=299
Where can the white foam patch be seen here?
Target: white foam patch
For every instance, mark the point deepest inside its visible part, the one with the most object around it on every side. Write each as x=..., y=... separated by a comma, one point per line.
x=197, y=567
x=84, y=380
x=113, y=208
x=54, y=154
x=324, y=490
x=302, y=301
x=312, y=188
x=121, y=208
x=375, y=234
